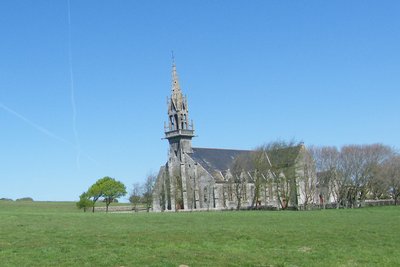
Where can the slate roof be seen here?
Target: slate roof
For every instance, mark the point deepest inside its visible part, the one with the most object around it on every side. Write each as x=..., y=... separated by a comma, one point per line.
x=213, y=159
x=220, y=160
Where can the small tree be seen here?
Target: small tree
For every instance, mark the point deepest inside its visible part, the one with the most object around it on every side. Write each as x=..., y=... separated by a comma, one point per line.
x=391, y=170
x=94, y=193
x=84, y=201
x=136, y=196
x=108, y=188
x=148, y=191
x=239, y=169
x=111, y=189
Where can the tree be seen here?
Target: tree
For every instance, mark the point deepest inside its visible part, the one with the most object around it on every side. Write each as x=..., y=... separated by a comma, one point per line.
x=357, y=165
x=239, y=169
x=308, y=182
x=148, y=191
x=280, y=162
x=136, y=196
x=391, y=170
x=330, y=182
x=108, y=188
x=111, y=189
x=258, y=175
x=276, y=160
x=94, y=193
x=84, y=201
x=353, y=173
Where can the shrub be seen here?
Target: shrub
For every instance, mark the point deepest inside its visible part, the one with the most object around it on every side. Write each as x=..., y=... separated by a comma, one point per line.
x=25, y=199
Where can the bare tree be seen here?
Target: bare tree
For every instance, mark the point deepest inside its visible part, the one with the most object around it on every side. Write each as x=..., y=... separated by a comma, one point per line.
x=331, y=184
x=261, y=166
x=357, y=164
x=148, y=191
x=308, y=182
x=280, y=156
x=136, y=196
x=238, y=171
x=391, y=170
x=378, y=186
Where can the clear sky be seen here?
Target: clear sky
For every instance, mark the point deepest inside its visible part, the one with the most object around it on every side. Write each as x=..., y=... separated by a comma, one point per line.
x=84, y=96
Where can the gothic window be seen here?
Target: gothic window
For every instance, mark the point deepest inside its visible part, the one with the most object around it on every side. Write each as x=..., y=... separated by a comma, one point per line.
x=182, y=121
x=205, y=194
x=177, y=122
x=185, y=121
x=172, y=122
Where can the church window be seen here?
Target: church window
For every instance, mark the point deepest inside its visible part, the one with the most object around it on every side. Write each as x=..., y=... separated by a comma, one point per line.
x=172, y=122
x=230, y=193
x=177, y=122
x=184, y=121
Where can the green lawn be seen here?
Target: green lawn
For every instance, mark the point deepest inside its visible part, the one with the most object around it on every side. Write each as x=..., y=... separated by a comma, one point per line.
x=57, y=234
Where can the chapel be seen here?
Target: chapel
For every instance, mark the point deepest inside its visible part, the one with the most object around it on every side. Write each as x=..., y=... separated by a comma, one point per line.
x=210, y=179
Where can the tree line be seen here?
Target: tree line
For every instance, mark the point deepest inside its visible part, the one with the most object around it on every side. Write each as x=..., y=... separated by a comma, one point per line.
x=355, y=173
x=346, y=177
x=109, y=190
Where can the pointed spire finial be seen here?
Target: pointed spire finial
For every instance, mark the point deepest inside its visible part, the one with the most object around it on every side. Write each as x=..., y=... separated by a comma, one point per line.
x=175, y=82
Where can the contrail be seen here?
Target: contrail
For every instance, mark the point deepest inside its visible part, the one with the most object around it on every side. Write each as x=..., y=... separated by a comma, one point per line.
x=72, y=90
x=34, y=125
x=43, y=130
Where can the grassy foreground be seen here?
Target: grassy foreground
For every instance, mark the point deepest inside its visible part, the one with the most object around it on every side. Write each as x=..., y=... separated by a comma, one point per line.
x=56, y=234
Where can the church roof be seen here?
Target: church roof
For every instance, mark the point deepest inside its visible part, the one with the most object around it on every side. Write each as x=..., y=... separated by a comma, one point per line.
x=213, y=159
x=220, y=160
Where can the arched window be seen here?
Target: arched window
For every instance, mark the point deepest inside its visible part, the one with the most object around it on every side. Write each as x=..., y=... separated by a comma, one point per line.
x=177, y=122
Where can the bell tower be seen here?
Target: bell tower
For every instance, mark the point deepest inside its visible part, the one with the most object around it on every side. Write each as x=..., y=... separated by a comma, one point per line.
x=179, y=131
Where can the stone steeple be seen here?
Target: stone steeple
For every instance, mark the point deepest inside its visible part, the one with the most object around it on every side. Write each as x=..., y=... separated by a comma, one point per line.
x=177, y=96
x=179, y=131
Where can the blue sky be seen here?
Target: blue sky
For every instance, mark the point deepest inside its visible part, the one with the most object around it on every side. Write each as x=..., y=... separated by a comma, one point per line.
x=324, y=72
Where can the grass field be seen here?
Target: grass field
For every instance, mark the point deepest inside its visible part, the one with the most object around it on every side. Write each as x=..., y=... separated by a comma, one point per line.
x=57, y=234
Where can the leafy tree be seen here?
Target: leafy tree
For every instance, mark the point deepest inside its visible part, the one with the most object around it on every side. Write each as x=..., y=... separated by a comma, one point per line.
x=108, y=188
x=84, y=201
x=111, y=189
x=94, y=193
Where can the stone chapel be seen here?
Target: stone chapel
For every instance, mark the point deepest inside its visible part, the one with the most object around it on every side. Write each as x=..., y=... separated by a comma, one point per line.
x=202, y=179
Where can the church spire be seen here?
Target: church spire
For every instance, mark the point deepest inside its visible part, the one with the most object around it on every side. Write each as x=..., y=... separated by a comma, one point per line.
x=175, y=82
x=178, y=128
x=177, y=96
